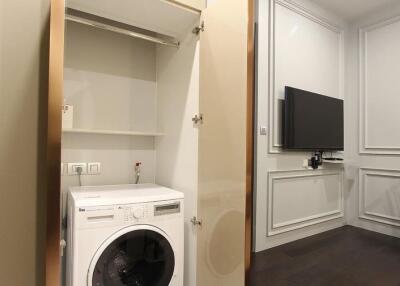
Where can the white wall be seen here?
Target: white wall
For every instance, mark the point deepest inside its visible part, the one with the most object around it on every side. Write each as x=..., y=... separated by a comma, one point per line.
x=307, y=53
x=305, y=50
x=292, y=207
x=110, y=80
x=297, y=199
x=372, y=130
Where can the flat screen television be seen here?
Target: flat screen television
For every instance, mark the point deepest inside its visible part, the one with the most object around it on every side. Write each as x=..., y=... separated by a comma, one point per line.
x=312, y=121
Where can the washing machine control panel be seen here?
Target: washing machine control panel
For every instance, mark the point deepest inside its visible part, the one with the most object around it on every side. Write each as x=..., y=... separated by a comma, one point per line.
x=139, y=212
x=135, y=213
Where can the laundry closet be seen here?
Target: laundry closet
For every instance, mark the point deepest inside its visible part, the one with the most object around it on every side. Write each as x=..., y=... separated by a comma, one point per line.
x=156, y=92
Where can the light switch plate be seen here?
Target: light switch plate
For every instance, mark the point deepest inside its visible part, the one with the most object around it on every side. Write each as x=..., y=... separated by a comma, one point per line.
x=94, y=168
x=73, y=166
x=263, y=130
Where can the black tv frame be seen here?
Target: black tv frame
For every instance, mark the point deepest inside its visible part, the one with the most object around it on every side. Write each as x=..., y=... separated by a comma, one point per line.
x=285, y=128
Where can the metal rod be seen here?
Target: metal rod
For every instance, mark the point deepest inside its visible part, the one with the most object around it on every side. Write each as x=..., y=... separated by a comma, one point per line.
x=121, y=31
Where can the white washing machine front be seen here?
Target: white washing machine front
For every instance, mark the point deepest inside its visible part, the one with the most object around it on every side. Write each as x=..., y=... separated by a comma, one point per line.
x=137, y=240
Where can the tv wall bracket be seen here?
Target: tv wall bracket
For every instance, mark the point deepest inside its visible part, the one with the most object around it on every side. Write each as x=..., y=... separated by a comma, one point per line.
x=316, y=160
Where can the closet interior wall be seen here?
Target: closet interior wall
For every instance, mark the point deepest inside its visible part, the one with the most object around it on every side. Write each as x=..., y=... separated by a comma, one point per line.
x=110, y=80
x=120, y=83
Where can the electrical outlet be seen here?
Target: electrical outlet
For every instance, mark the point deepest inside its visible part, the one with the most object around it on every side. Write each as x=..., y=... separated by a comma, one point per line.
x=94, y=168
x=72, y=168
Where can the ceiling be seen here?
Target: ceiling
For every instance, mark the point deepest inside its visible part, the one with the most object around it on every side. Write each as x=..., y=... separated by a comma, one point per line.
x=353, y=9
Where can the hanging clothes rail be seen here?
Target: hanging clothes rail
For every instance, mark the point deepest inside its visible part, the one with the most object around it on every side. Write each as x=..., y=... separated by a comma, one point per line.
x=107, y=27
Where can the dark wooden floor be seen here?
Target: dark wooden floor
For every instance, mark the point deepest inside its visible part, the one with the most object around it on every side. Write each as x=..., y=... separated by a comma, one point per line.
x=344, y=256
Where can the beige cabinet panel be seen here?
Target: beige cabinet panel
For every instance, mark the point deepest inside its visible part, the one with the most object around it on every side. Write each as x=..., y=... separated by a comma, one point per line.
x=194, y=4
x=222, y=144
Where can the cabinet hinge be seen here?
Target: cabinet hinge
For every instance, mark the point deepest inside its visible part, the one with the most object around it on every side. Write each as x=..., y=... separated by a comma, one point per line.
x=198, y=29
x=196, y=222
x=198, y=118
x=63, y=244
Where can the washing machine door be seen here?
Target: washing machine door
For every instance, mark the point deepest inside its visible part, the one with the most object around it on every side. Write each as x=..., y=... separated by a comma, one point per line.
x=134, y=256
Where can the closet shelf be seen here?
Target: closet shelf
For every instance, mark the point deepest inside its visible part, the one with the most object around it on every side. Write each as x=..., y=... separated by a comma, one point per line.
x=110, y=132
x=332, y=162
x=162, y=17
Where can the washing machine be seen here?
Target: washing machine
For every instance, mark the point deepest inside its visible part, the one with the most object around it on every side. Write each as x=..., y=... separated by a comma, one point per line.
x=125, y=235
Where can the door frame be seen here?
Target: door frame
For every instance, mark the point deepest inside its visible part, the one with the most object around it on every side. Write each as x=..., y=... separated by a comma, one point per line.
x=53, y=144
x=250, y=133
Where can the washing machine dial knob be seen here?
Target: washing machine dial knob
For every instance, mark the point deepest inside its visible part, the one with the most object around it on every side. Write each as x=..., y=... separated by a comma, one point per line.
x=138, y=213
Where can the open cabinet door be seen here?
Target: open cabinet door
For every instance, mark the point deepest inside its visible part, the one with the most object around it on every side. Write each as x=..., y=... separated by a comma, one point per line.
x=53, y=156
x=222, y=144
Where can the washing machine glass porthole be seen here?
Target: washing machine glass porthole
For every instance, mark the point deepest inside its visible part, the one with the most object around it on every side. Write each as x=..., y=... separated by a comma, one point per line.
x=137, y=258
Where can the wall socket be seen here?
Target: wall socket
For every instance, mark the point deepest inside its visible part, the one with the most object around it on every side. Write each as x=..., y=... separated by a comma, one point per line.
x=72, y=168
x=93, y=168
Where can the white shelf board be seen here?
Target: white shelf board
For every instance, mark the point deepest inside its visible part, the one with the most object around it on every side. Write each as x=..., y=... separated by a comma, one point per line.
x=154, y=15
x=110, y=132
x=333, y=162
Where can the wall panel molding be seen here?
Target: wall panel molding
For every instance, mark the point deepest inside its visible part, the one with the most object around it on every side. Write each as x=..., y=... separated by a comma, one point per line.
x=364, y=146
x=274, y=140
x=334, y=199
x=365, y=205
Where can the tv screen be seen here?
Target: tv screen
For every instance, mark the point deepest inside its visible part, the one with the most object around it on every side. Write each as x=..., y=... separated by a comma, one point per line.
x=312, y=121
